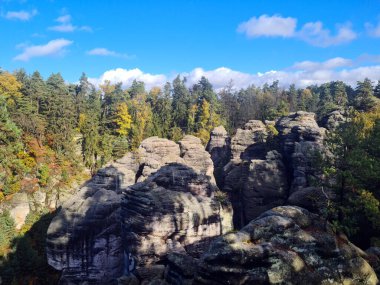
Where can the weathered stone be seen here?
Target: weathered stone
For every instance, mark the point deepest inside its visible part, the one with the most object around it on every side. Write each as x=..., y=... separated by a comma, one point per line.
x=128, y=280
x=171, y=211
x=84, y=239
x=19, y=208
x=266, y=185
x=332, y=120
x=219, y=148
x=312, y=198
x=150, y=273
x=173, y=202
x=181, y=269
x=248, y=142
x=37, y=201
x=287, y=245
x=196, y=157
x=301, y=142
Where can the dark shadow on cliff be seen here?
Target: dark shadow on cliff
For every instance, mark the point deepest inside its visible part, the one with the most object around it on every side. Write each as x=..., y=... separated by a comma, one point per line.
x=91, y=216
x=149, y=202
x=27, y=263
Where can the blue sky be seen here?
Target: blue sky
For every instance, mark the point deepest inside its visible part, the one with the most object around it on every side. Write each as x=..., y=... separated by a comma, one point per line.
x=300, y=42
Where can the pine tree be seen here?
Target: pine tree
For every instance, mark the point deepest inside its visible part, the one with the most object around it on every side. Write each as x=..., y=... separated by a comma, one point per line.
x=364, y=99
x=180, y=103
x=376, y=91
x=60, y=115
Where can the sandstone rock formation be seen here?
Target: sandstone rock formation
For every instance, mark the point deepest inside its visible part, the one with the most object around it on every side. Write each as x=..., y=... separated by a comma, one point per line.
x=84, y=239
x=301, y=141
x=273, y=164
x=285, y=245
x=174, y=181
x=174, y=210
x=256, y=177
x=219, y=148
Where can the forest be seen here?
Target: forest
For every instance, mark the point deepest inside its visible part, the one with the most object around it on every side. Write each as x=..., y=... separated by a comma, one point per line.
x=54, y=134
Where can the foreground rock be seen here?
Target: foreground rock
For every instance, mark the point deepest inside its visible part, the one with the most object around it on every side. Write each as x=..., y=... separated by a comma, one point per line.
x=286, y=245
x=174, y=181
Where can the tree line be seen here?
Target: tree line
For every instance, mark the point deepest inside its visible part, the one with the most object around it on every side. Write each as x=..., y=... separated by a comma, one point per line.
x=79, y=123
x=50, y=130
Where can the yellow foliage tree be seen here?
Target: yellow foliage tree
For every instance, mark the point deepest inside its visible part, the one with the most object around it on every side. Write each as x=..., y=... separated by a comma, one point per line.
x=141, y=119
x=9, y=87
x=123, y=119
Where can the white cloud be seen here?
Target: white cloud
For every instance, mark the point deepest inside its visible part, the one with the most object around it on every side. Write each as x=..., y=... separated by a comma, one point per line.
x=126, y=77
x=107, y=52
x=65, y=25
x=301, y=74
x=372, y=30
x=268, y=26
x=21, y=15
x=52, y=48
x=313, y=32
x=328, y=64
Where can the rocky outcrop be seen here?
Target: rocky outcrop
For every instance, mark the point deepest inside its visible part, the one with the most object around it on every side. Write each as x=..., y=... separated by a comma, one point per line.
x=195, y=156
x=173, y=210
x=219, y=148
x=301, y=141
x=286, y=245
x=19, y=208
x=174, y=181
x=332, y=120
x=255, y=178
x=249, y=142
x=84, y=239
x=272, y=164
x=266, y=185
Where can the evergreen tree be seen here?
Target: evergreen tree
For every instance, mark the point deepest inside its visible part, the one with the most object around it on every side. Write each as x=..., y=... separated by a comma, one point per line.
x=292, y=98
x=376, y=91
x=180, y=103
x=60, y=115
x=364, y=99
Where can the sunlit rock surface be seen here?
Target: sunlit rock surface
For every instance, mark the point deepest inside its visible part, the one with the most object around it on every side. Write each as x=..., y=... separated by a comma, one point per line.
x=285, y=245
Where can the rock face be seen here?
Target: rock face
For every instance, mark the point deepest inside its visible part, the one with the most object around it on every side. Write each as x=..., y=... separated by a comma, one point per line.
x=256, y=177
x=273, y=164
x=219, y=148
x=84, y=239
x=286, y=245
x=301, y=141
x=172, y=211
x=174, y=181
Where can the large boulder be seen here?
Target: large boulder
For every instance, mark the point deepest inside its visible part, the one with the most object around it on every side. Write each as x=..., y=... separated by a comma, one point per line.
x=285, y=245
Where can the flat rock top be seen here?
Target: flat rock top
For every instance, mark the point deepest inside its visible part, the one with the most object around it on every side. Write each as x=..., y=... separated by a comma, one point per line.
x=219, y=131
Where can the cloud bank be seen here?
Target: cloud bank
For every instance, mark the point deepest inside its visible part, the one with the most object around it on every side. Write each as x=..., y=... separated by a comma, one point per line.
x=313, y=33
x=302, y=74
